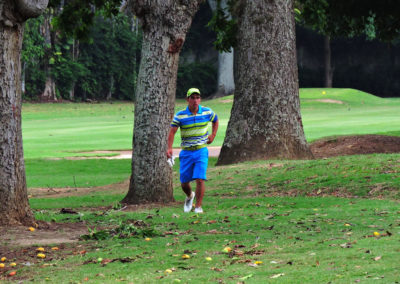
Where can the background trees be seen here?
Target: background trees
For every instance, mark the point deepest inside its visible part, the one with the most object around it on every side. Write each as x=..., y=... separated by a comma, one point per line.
x=335, y=19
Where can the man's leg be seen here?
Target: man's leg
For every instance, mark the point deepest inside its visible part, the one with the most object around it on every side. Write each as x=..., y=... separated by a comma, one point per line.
x=200, y=189
x=187, y=189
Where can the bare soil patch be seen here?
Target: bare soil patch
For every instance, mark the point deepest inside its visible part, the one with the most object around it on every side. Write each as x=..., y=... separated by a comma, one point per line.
x=330, y=101
x=355, y=145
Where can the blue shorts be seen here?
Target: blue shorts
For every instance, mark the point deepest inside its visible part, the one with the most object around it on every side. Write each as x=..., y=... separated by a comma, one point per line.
x=193, y=164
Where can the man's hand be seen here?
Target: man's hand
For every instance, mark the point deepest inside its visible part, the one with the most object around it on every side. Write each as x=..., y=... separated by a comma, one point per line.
x=170, y=141
x=214, y=132
x=210, y=139
x=169, y=153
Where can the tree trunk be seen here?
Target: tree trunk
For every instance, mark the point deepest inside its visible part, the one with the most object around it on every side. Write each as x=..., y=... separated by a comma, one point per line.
x=75, y=56
x=165, y=24
x=49, y=92
x=265, y=119
x=226, y=83
x=327, y=62
x=14, y=206
x=109, y=94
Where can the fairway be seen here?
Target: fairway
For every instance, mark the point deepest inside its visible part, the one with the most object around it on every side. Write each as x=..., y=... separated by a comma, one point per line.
x=66, y=129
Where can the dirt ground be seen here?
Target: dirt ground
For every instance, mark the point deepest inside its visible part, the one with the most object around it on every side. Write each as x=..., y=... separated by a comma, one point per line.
x=52, y=233
x=355, y=145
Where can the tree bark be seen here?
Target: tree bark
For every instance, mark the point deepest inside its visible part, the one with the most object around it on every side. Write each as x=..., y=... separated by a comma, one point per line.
x=328, y=62
x=49, y=92
x=265, y=119
x=165, y=24
x=14, y=206
x=226, y=83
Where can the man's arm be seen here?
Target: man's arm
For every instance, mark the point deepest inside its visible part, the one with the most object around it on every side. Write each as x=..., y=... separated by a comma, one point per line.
x=214, y=132
x=171, y=137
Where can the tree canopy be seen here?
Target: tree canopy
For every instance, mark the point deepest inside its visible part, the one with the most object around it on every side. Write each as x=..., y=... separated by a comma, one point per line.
x=375, y=19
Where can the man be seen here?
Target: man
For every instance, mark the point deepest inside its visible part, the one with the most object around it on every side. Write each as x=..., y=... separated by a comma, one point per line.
x=193, y=158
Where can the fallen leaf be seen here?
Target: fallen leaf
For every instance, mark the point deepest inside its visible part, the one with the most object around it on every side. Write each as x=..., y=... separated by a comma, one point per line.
x=227, y=249
x=277, y=275
x=246, y=277
x=252, y=264
x=12, y=273
x=106, y=261
x=377, y=258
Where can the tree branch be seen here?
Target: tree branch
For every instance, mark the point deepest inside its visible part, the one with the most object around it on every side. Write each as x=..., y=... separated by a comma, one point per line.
x=31, y=8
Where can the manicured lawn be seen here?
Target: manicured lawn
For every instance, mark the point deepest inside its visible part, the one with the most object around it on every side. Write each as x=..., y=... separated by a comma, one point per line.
x=61, y=130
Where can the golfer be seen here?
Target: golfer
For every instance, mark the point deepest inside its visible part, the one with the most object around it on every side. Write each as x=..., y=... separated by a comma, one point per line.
x=193, y=158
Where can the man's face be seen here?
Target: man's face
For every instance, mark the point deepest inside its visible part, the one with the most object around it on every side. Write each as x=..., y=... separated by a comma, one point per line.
x=194, y=101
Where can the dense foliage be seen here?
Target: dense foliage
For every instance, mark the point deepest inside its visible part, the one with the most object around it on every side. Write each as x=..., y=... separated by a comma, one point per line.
x=107, y=64
x=101, y=61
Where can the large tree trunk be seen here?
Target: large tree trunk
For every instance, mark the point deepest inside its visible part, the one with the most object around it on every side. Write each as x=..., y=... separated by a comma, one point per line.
x=328, y=70
x=165, y=24
x=14, y=206
x=265, y=119
x=226, y=83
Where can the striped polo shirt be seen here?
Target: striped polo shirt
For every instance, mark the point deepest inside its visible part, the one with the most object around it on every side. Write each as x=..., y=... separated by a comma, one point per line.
x=194, y=127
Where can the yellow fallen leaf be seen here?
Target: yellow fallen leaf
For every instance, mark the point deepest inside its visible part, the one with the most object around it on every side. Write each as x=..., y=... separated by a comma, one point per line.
x=258, y=262
x=185, y=256
x=55, y=248
x=3, y=258
x=31, y=229
x=377, y=234
x=168, y=271
x=40, y=249
x=41, y=255
x=2, y=265
x=347, y=225
x=147, y=239
x=13, y=264
x=208, y=258
x=227, y=249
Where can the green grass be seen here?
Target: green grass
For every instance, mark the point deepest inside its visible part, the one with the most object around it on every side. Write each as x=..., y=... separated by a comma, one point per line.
x=249, y=207
x=76, y=173
x=302, y=239
x=61, y=130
